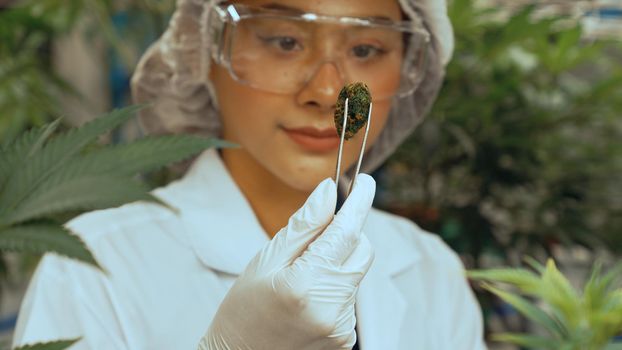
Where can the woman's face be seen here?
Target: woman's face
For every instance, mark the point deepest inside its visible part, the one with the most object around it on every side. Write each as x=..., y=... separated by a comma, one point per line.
x=282, y=135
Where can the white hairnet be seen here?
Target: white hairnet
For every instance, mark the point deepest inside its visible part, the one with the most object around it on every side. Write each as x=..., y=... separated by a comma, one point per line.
x=173, y=76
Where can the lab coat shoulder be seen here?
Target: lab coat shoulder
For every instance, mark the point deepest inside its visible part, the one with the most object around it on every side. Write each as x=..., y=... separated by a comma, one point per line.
x=431, y=282
x=56, y=307
x=69, y=299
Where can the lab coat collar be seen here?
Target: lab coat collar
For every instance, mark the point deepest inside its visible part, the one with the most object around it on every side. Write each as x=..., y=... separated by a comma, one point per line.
x=223, y=230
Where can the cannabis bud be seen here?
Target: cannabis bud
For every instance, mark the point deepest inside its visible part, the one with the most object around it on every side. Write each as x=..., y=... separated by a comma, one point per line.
x=358, y=108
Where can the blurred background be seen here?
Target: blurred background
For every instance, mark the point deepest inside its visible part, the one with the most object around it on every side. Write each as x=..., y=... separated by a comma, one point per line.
x=521, y=155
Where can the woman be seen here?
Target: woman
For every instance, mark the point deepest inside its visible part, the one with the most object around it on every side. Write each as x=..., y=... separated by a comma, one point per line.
x=216, y=274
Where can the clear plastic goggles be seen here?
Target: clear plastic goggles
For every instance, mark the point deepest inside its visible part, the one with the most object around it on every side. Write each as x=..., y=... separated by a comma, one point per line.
x=280, y=51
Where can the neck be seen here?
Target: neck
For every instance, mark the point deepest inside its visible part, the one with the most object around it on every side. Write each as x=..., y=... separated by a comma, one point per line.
x=272, y=200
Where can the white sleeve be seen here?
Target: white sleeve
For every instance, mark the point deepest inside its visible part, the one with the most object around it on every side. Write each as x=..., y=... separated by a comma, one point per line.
x=467, y=328
x=466, y=331
x=63, y=301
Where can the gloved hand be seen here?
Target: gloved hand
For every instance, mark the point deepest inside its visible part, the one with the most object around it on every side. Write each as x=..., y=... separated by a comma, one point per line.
x=299, y=291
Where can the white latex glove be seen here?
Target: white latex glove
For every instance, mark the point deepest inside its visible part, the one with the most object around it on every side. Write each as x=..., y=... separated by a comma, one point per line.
x=299, y=291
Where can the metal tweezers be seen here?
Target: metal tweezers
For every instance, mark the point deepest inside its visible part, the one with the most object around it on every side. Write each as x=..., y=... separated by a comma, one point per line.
x=343, y=134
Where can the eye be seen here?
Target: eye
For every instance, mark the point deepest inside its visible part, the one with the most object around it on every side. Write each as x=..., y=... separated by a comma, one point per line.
x=366, y=51
x=287, y=43
x=284, y=43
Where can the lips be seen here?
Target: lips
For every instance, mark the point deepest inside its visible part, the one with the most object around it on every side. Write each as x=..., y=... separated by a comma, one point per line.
x=314, y=140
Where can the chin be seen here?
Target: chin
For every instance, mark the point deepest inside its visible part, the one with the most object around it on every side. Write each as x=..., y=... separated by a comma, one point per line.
x=307, y=179
x=308, y=183
x=307, y=172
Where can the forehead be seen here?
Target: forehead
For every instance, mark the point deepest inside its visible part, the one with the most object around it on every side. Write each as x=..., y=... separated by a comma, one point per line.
x=351, y=8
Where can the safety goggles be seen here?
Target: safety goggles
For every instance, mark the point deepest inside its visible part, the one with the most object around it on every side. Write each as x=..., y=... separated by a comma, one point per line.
x=280, y=51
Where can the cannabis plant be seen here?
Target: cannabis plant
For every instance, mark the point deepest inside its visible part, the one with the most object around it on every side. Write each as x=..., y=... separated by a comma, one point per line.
x=53, y=345
x=30, y=86
x=46, y=180
x=572, y=320
x=523, y=148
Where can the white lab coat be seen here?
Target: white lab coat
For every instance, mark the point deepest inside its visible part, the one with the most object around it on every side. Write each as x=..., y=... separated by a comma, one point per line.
x=168, y=272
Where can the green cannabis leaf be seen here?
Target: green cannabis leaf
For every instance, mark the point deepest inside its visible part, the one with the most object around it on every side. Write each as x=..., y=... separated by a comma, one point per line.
x=53, y=345
x=44, y=177
x=41, y=238
x=573, y=320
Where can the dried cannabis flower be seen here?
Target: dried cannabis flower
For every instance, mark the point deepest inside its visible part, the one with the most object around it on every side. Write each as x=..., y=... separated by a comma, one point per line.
x=358, y=108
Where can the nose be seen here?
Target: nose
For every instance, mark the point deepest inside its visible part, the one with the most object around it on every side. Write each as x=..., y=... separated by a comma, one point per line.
x=321, y=90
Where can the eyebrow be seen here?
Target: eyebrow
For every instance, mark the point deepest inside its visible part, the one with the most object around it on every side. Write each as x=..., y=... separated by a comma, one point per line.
x=297, y=11
x=275, y=6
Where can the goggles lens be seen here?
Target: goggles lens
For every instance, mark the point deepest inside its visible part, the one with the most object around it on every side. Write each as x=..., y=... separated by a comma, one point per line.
x=282, y=53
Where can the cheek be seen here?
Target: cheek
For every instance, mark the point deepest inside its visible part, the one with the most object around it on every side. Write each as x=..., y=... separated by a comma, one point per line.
x=380, y=115
x=245, y=112
x=388, y=82
x=379, y=120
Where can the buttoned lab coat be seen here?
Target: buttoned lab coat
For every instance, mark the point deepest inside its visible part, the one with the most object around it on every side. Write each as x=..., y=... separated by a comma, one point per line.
x=168, y=272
